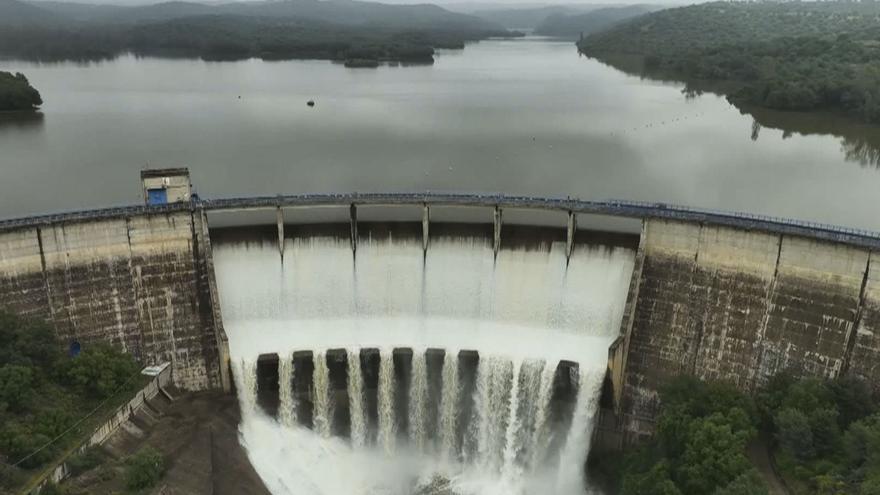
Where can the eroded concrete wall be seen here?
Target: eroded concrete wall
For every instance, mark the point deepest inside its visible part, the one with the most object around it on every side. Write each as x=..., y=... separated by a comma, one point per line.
x=740, y=306
x=813, y=308
x=140, y=283
x=864, y=361
x=22, y=285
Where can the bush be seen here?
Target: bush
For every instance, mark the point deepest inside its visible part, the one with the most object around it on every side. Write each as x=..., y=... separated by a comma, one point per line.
x=654, y=482
x=144, y=469
x=870, y=487
x=100, y=370
x=15, y=386
x=748, y=483
x=10, y=477
x=793, y=433
x=17, y=442
x=52, y=422
x=52, y=489
x=85, y=461
x=29, y=343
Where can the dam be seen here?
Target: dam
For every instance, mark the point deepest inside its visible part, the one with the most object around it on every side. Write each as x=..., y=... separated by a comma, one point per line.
x=479, y=342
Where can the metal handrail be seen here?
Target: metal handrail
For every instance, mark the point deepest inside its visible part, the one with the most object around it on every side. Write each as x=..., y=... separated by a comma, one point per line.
x=613, y=207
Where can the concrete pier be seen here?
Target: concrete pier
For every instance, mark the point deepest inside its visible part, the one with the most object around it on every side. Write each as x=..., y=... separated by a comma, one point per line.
x=426, y=225
x=496, y=216
x=279, y=220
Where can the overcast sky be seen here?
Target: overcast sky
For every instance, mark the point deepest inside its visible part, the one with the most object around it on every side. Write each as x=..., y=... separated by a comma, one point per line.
x=456, y=4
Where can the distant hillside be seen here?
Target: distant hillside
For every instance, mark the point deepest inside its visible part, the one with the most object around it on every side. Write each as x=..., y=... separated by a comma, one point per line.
x=165, y=11
x=351, y=12
x=78, y=12
x=360, y=33
x=15, y=13
x=572, y=26
x=345, y=12
x=530, y=18
x=722, y=23
x=785, y=56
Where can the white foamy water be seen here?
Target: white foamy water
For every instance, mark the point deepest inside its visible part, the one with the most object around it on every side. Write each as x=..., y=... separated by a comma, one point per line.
x=523, y=313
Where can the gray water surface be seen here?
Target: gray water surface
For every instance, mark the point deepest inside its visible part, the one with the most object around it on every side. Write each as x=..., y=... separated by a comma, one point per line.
x=526, y=116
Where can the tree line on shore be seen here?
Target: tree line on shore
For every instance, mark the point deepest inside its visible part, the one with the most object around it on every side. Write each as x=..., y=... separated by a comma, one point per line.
x=332, y=30
x=780, y=55
x=232, y=38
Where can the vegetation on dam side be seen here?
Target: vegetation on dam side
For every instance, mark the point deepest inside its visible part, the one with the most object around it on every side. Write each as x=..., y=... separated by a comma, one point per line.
x=823, y=435
x=330, y=30
x=44, y=393
x=16, y=93
x=779, y=55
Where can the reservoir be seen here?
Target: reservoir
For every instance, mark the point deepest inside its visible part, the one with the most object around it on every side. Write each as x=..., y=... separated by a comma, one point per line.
x=524, y=116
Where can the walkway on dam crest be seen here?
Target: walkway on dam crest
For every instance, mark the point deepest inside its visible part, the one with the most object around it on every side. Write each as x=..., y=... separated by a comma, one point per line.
x=617, y=208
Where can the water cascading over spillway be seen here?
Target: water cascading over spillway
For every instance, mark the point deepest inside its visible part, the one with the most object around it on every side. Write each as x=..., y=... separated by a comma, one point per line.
x=446, y=371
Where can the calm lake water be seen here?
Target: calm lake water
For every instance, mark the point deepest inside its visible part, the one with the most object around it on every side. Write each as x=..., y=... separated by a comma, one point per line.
x=526, y=116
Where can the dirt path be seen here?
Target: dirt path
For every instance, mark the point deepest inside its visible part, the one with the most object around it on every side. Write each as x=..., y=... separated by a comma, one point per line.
x=760, y=457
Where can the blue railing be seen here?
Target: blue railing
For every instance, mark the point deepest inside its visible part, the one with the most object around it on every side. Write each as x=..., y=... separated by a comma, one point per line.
x=619, y=208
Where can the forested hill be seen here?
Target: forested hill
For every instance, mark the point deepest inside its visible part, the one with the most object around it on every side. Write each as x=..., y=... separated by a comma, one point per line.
x=344, y=12
x=788, y=56
x=362, y=33
x=531, y=17
x=573, y=26
x=20, y=14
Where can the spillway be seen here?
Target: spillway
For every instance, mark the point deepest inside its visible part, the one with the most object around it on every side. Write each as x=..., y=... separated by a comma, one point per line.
x=406, y=371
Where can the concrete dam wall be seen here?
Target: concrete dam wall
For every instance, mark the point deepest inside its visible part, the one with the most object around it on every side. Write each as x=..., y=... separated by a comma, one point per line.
x=138, y=282
x=713, y=296
x=740, y=306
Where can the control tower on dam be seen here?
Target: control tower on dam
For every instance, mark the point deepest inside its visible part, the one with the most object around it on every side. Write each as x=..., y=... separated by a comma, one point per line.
x=259, y=293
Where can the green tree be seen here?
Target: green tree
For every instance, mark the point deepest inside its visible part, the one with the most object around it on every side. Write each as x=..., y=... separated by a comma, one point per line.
x=654, y=482
x=862, y=446
x=18, y=442
x=714, y=455
x=53, y=422
x=16, y=93
x=15, y=386
x=853, y=398
x=100, y=370
x=748, y=483
x=793, y=433
x=144, y=469
x=870, y=487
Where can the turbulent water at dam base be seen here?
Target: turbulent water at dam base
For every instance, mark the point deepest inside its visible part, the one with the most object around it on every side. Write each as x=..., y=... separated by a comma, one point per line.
x=404, y=371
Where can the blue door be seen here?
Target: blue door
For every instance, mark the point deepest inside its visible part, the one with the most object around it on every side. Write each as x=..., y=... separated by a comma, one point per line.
x=157, y=196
